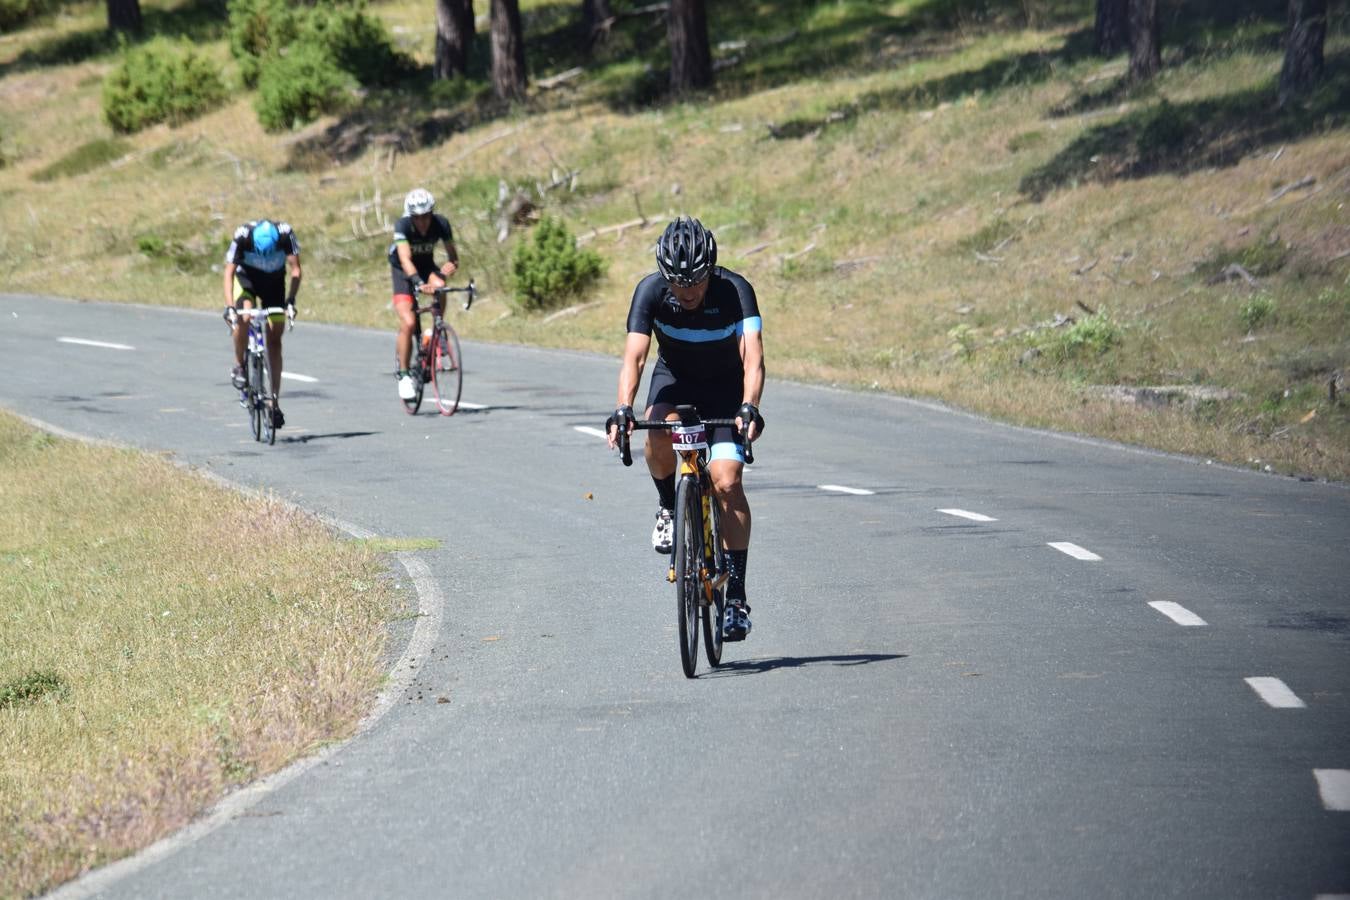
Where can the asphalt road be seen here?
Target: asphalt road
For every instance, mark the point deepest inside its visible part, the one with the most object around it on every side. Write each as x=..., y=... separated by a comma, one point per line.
x=935, y=701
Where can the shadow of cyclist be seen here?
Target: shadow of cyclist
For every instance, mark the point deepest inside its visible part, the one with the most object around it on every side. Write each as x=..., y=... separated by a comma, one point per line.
x=758, y=666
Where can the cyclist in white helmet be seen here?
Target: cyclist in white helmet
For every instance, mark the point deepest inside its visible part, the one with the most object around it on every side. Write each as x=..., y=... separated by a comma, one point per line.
x=412, y=258
x=255, y=275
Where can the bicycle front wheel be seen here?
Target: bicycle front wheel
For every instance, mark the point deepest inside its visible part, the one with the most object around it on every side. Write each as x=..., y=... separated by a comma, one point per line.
x=447, y=370
x=255, y=410
x=688, y=555
x=267, y=403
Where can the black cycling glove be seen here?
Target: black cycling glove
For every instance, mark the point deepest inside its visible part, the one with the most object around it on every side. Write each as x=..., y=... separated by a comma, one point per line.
x=623, y=417
x=750, y=413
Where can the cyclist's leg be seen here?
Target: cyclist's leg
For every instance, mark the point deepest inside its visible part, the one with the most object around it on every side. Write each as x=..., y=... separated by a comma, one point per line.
x=243, y=299
x=275, y=329
x=407, y=322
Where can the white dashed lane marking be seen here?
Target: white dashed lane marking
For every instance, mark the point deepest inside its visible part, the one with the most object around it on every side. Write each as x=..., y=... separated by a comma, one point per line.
x=1074, y=550
x=296, y=376
x=586, y=429
x=1275, y=692
x=966, y=514
x=842, y=489
x=1177, y=613
x=465, y=405
x=1334, y=786
x=86, y=343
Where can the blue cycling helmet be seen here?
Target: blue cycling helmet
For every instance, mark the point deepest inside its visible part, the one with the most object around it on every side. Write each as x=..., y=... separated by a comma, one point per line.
x=265, y=236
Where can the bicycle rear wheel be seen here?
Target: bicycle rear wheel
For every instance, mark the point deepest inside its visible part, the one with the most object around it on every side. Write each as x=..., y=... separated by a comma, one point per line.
x=255, y=378
x=447, y=370
x=688, y=554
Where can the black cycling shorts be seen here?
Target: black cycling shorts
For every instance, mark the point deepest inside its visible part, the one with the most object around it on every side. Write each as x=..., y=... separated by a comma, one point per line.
x=403, y=285
x=714, y=399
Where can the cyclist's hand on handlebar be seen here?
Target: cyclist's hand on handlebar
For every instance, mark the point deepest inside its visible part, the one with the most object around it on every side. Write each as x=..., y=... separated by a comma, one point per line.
x=449, y=268
x=749, y=421
x=622, y=418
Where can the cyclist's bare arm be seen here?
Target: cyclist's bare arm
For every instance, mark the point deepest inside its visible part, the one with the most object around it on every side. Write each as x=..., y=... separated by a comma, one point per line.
x=451, y=264
x=404, y=250
x=229, y=283
x=635, y=351
x=752, y=359
x=294, y=262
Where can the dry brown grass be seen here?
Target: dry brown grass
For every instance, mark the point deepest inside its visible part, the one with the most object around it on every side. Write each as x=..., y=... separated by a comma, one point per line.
x=201, y=639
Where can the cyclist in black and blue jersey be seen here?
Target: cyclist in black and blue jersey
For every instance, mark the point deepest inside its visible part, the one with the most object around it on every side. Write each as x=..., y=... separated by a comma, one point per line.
x=412, y=261
x=255, y=276
x=709, y=336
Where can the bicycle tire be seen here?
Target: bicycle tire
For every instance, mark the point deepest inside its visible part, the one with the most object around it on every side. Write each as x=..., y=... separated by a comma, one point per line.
x=688, y=551
x=254, y=378
x=267, y=403
x=447, y=370
x=713, y=611
x=414, y=403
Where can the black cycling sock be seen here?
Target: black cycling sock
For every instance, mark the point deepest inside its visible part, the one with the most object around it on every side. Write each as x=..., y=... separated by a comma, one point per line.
x=665, y=489
x=736, y=574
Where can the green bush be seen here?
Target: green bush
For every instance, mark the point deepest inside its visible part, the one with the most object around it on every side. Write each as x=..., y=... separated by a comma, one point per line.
x=299, y=87
x=16, y=12
x=1256, y=310
x=549, y=268
x=161, y=81
x=259, y=30
x=265, y=31
x=1089, y=337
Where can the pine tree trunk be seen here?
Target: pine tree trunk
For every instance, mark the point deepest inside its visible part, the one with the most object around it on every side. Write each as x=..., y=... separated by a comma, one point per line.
x=1303, y=60
x=1112, y=30
x=1145, y=40
x=124, y=15
x=690, y=58
x=594, y=16
x=454, y=37
x=508, y=51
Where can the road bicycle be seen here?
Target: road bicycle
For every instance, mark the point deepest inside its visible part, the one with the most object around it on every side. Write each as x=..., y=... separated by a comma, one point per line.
x=698, y=565
x=256, y=395
x=436, y=358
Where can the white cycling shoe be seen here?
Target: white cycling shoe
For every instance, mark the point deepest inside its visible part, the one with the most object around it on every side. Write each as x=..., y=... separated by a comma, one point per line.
x=406, y=389
x=663, y=535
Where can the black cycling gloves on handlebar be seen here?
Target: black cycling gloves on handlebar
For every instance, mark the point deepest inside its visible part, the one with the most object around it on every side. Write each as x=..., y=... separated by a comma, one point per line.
x=750, y=413
x=623, y=417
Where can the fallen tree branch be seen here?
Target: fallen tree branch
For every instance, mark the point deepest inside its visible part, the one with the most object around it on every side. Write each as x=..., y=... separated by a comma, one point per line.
x=1231, y=271
x=549, y=83
x=483, y=143
x=1307, y=181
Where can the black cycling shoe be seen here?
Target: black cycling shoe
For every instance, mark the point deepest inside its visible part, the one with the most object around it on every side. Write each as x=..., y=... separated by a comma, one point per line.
x=277, y=418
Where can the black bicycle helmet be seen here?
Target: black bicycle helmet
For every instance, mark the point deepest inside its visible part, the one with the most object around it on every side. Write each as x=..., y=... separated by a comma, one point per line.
x=686, y=252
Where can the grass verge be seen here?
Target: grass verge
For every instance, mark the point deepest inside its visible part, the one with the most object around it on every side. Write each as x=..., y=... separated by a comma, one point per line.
x=145, y=666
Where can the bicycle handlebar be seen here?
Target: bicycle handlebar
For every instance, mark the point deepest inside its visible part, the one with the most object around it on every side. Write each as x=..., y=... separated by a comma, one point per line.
x=470, y=291
x=625, y=449
x=232, y=313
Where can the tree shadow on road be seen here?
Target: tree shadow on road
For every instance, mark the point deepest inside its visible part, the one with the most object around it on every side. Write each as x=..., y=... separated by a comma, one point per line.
x=768, y=664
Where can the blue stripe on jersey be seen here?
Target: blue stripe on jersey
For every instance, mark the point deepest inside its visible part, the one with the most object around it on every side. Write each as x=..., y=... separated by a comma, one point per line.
x=697, y=335
x=750, y=325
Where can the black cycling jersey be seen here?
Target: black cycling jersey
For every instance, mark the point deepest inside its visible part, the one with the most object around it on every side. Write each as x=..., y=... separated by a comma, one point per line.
x=703, y=343
x=423, y=246
x=262, y=273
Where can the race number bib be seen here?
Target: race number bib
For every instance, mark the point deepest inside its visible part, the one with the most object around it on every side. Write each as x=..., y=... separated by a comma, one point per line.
x=689, y=437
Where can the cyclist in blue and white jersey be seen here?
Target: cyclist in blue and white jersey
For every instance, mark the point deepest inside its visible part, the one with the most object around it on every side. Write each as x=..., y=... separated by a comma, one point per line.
x=255, y=276
x=709, y=336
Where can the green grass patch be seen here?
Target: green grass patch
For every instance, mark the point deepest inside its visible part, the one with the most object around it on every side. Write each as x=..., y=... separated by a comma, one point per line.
x=87, y=157
x=398, y=545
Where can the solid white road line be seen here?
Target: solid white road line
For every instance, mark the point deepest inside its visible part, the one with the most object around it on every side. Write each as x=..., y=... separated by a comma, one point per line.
x=966, y=514
x=1334, y=786
x=841, y=489
x=586, y=429
x=1074, y=550
x=83, y=342
x=297, y=377
x=1275, y=692
x=1177, y=613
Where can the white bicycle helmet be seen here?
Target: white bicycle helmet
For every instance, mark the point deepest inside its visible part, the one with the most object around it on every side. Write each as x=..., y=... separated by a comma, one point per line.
x=419, y=202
